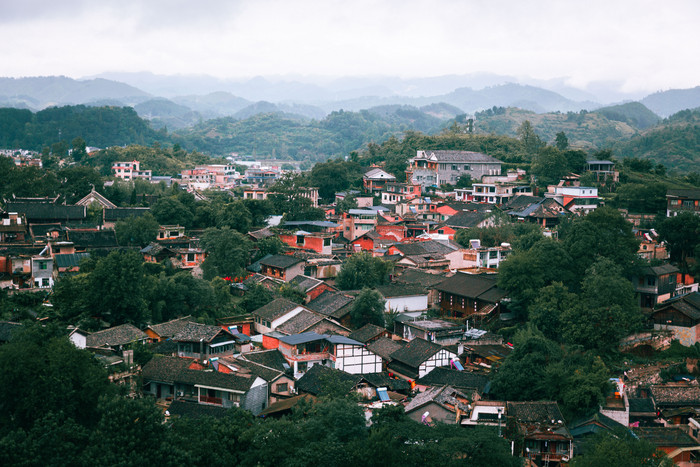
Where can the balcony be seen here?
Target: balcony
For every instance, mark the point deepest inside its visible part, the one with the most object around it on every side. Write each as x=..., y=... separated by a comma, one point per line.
x=210, y=400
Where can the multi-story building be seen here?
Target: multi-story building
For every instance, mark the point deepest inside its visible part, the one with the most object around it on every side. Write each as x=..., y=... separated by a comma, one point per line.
x=679, y=200
x=577, y=199
x=603, y=171
x=357, y=222
x=130, y=171
x=260, y=176
x=398, y=192
x=435, y=168
x=497, y=192
x=376, y=179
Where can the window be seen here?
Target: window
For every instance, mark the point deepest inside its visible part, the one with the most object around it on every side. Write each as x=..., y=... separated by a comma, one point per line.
x=282, y=387
x=302, y=367
x=454, y=167
x=466, y=167
x=43, y=265
x=327, y=242
x=190, y=257
x=300, y=239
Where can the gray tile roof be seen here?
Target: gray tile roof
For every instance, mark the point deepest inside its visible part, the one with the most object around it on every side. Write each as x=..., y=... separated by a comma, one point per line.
x=458, y=379
x=313, y=380
x=367, y=332
x=385, y=347
x=69, y=260
x=280, y=261
x=118, y=335
x=466, y=219
x=165, y=369
x=401, y=290
x=445, y=396
x=535, y=412
x=299, y=323
x=194, y=410
x=170, y=328
x=266, y=373
x=275, y=309
x=269, y=358
x=415, y=352
x=45, y=211
x=332, y=304
x=305, y=283
x=195, y=332
x=472, y=286
x=418, y=277
x=215, y=379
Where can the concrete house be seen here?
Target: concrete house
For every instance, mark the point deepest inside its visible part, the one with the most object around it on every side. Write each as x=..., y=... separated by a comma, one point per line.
x=434, y=168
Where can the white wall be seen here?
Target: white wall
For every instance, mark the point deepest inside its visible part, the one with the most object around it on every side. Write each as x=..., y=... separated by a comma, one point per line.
x=412, y=303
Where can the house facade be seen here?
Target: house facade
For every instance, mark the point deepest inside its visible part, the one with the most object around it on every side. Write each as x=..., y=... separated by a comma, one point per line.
x=435, y=168
x=679, y=200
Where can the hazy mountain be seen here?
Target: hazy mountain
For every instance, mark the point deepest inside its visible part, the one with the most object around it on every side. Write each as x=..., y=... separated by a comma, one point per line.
x=214, y=104
x=42, y=92
x=666, y=103
x=442, y=110
x=166, y=113
x=634, y=113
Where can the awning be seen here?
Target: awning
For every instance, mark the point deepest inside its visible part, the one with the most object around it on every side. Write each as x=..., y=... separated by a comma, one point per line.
x=218, y=344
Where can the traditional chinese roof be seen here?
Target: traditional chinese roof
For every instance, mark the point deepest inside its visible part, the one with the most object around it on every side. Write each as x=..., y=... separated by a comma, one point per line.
x=280, y=261
x=472, y=286
x=305, y=283
x=534, y=206
x=299, y=322
x=165, y=369
x=445, y=396
x=92, y=238
x=383, y=380
x=44, y=211
x=535, y=412
x=313, y=381
x=269, y=358
x=426, y=247
x=676, y=396
x=118, y=335
x=401, y=290
x=196, y=332
x=665, y=436
x=266, y=373
x=94, y=196
x=170, y=328
x=385, y=347
x=333, y=304
x=466, y=219
x=69, y=260
x=415, y=352
x=276, y=309
x=262, y=233
x=285, y=406
x=367, y=332
x=215, y=379
x=687, y=304
x=459, y=379
x=419, y=277
x=692, y=193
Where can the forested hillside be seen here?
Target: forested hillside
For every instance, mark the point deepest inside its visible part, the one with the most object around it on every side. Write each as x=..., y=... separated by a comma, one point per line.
x=675, y=143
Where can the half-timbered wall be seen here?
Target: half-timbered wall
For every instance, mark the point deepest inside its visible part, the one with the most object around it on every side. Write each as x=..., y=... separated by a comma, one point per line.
x=356, y=359
x=442, y=358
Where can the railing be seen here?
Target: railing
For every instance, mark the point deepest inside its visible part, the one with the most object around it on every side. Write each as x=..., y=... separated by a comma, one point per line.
x=211, y=400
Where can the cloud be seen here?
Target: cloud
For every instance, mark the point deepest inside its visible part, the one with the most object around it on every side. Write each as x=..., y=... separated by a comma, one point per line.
x=643, y=43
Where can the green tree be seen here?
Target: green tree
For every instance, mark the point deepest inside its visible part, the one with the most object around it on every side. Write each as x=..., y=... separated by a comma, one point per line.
x=41, y=370
x=620, y=449
x=171, y=211
x=464, y=181
x=682, y=234
x=548, y=307
x=78, y=149
x=235, y=215
x=117, y=289
x=136, y=231
x=227, y=252
x=549, y=166
x=561, y=141
x=363, y=270
x=368, y=308
x=606, y=312
x=530, y=140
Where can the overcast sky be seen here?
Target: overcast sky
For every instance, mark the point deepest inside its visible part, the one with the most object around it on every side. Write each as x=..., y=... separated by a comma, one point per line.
x=648, y=45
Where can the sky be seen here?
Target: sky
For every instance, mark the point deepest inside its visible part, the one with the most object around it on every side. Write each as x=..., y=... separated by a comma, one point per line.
x=640, y=45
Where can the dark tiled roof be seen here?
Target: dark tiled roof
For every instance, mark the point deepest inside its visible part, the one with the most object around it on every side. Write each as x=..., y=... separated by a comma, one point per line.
x=275, y=309
x=683, y=193
x=118, y=335
x=385, y=347
x=165, y=369
x=280, y=261
x=462, y=156
x=7, y=329
x=665, y=436
x=313, y=380
x=116, y=214
x=269, y=358
x=688, y=304
x=366, y=333
x=471, y=286
x=659, y=270
x=195, y=332
x=331, y=303
x=535, y=412
x=39, y=231
x=268, y=374
x=194, y=410
x=673, y=396
x=299, y=323
x=445, y=396
x=416, y=352
x=418, y=277
x=457, y=379
x=58, y=212
x=466, y=219
x=533, y=206
x=170, y=328
x=262, y=233
x=69, y=260
x=93, y=239
x=215, y=379
x=424, y=248
x=285, y=405
x=383, y=380
x=641, y=405
x=305, y=283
